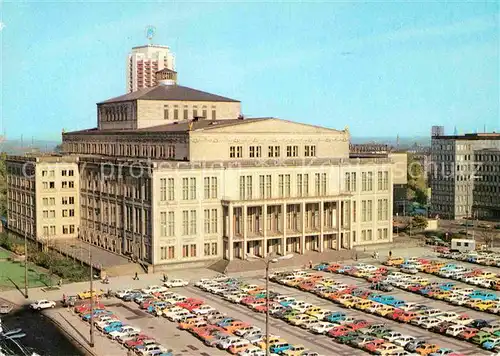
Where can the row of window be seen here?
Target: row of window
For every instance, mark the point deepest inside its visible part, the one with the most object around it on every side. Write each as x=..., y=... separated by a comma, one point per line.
x=64, y=184
x=367, y=235
x=50, y=230
x=189, y=222
x=123, y=149
x=350, y=181
x=168, y=252
x=20, y=197
x=114, y=113
x=52, y=201
x=64, y=173
x=20, y=182
x=173, y=114
x=272, y=151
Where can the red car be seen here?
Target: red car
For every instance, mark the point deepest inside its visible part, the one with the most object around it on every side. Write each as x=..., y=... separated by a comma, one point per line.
x=339, y=331
x=333, y=267
x=375, y=278
x=248, y=300
x=190, y=303
x=382, y=270
x=85, y=308
x=145, y=303
x=468, y=333
x=139, y=340
x=415, y=288
x=358, y=324
x=374, y=345
x=395, y=314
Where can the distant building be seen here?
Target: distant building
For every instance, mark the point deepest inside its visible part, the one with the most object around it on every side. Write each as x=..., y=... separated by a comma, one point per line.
x=143, y=63
x=454, y=175
x=486, y=193
x=400, y=169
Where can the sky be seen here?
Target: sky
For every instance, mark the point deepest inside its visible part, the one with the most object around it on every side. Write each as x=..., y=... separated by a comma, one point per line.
x=381, y=68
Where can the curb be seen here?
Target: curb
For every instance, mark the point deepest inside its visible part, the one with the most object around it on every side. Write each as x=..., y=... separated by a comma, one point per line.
x=78, y=344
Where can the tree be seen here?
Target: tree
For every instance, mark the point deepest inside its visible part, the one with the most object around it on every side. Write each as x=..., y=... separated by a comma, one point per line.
x=489, y=237
x=3, y=185
x=58, y=148
x=417, y=187
x=418, y=222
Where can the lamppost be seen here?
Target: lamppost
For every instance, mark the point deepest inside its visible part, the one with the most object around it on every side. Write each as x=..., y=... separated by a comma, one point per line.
x=25, y=261
x=268, y=260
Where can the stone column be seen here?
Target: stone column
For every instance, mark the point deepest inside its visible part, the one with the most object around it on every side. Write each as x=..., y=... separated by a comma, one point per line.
x=321, y=225
x=303, y=236
x=230, y=232
x=283, y=207
x=264, y=229
x=339, y=228
x=244, y=213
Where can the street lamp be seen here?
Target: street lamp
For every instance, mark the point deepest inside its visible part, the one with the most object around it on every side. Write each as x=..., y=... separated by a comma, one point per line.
x=268, y=260
x=25, y=262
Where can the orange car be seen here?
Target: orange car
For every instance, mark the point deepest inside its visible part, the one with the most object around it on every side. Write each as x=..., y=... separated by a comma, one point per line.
x=406, y=317
x=191, y=323
x=256, y=291
x=427, y=349
x=235, y=325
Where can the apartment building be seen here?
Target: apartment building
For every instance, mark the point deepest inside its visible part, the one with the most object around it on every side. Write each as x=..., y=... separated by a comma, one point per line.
x=175, y=175
x=43, y=196
x=486, y=193
x=455, y=174
x=142, y=64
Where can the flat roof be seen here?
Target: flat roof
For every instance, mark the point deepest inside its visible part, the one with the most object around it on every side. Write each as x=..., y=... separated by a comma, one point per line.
x=470, y=136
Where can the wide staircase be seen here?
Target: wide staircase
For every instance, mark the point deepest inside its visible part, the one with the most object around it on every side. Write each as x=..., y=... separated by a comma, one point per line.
x=297, y=261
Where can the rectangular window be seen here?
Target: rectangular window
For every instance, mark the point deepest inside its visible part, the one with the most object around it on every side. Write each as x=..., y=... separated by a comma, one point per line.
x=214, y=248
x=71, y=212
x=185, y=222
x=176, y=113
x=287, y=185
x=64, y=173
x=369, y=235
x=323, y=183
x=354, y=211
x=52, y=230
x=163, y=223
x=236, y=151
x=52, y=185
x=185, y=250
x=192, y=250
x=52, y=201
x=262, y=186
x=171, y=224
x=213, y=221
x=254, y=151
x=292, y=151
x=369, y=216
x=385, y=209
x=214, y=191
x=204, y=112
x=379, y=209
x=45, y=201
x=299, y=185
x=268, y=186
x=186, y=115
x=44, y=173
x=379, y=180
x=242, y=187
x=163, y=189
x=281, y=186
x=249, y=187
x=364, y=185
x=165, y=112
x=192, y=188
x=163, y=253
x=171, y=252
x=317, y=183
x=274, y=151
x=385, y=184
x=65, y=213
x=206, y=187
x=206, y=221
x=185, y=189
x=363, y=211
x=347, y=181
x=71, y=173
x=170, y=189
x=65, y=229
x=370, y=181
x=71, y=200
x=214, y=114
x=192, y=223
x=310, y=151
x=206, y=249
x=306, y=184
x=46, y=214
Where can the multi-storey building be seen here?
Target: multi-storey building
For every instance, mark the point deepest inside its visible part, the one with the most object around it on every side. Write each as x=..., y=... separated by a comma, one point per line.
x=43, y=196
x=486, y=193
x=400, y=170
x=174, y=175
x=454, y=173
x=142, y=64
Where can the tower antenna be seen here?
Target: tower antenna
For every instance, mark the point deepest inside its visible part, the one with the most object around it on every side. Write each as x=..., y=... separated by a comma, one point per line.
x=150, y=33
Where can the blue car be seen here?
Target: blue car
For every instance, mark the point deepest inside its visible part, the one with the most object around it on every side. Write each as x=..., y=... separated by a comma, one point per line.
x=131, y=296
x=280, y=347
x=225, y=322
x=441, y=352
x=447, y=286
x=477, y=294
x=321, y=266
x=491, y=343
x=335, y=317
x=86, y=317
x=117, y=325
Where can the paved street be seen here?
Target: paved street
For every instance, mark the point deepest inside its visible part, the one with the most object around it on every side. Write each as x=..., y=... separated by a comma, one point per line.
x=183, y=344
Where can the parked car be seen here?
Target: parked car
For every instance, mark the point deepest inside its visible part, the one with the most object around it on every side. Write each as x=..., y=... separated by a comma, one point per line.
x=42, y=304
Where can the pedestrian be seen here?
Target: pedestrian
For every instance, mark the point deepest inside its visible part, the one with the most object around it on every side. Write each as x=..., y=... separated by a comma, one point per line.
x=60, y=282
x=356, y=257
x=136, y=277
x=310, y=264
x=376, y=255
x=64, y=299
x=390, y=253
x=165, y=278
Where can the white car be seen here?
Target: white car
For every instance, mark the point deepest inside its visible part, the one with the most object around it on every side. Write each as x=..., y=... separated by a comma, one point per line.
x=409, y=269
x=403, y=340
x=228, y=342
x=176, y=283
x=454, y=330
x=152, y=349
x=203, y=309
x=178, y=316
x=448, y=316
x=154, y=289
x=243, y=331
x=125, y=330
x=429, y=323
x=123, y=292
x=393, y=335
x=42, y=304
x=322, y=327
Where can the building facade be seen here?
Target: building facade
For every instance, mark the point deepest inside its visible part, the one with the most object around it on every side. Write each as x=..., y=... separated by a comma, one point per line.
x=486, y=193
x=142, y=64
x=174, y=175
x=454, y=172
x=43, y=196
